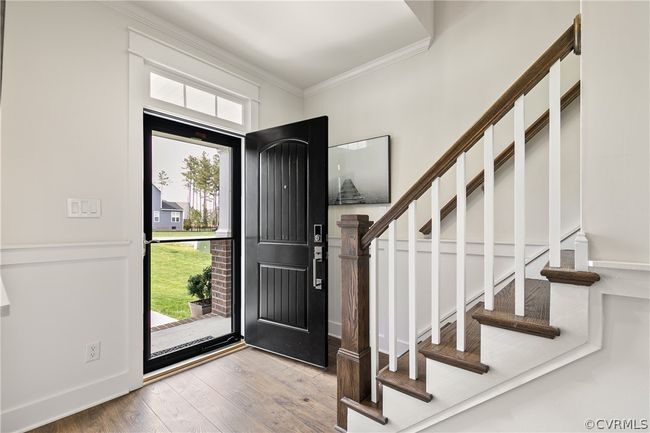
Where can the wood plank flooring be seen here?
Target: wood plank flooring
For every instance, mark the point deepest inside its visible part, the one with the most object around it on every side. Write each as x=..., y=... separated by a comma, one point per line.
x=247, y=391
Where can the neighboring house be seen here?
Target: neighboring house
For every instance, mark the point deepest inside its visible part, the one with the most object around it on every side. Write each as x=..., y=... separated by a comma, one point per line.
x=167, y=215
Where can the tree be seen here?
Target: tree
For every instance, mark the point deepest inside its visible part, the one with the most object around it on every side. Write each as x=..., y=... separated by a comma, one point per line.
x=163, y=179
x=189, y=174
x=214, y=192
x=201, y=177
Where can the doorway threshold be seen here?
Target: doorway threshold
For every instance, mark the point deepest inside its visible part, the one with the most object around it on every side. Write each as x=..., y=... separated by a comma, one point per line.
x=192, y=362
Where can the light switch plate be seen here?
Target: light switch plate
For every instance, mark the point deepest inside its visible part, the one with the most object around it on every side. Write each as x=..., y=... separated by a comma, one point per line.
x=84, y=208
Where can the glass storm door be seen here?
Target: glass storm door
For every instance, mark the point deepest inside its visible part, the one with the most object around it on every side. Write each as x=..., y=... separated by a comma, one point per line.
x=191, y=229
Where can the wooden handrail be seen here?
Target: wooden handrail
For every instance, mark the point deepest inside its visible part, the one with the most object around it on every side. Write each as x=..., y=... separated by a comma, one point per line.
x=506, y=154
x=566, y=43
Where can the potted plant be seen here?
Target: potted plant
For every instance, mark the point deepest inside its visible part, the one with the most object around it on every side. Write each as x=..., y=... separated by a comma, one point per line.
x=200, y=286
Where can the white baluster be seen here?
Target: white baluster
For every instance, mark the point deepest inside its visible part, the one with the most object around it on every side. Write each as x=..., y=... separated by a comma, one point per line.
x=520, y=206
x=488, y=217
x=554, y=166
x=392, y=304
x=374, y=346
x=412, y=316
x=460, y=252
x=435, y=261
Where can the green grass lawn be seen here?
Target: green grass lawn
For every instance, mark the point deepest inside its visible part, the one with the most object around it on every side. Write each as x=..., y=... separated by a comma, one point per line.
x=171, y=265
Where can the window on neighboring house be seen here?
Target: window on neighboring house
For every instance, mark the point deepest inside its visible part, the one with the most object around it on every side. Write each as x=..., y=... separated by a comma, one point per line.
x=176, y=217
x=156, y=216
x=204, y=101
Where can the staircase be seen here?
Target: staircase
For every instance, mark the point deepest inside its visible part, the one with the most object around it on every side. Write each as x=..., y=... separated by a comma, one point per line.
x=508, y=338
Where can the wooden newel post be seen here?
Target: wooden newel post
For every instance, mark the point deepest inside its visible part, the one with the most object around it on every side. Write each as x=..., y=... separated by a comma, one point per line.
x=353, y=358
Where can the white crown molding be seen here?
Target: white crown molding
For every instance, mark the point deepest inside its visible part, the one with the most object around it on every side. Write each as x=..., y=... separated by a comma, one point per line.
x=150, y=20
x=142, y=16
x=380, y=62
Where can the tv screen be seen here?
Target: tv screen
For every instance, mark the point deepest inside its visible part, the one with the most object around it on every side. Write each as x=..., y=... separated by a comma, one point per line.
x=359, y=172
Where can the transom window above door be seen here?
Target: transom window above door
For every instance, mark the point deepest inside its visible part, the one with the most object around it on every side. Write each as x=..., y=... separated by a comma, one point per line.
x=210, y=102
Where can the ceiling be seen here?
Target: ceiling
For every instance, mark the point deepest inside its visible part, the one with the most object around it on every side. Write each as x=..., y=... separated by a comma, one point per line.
x=303, y=43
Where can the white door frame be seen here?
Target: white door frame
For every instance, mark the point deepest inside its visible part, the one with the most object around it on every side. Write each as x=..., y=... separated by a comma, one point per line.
x=144, y=52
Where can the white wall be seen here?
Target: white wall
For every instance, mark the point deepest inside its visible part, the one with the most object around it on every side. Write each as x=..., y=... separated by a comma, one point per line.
x=609, y=384
x=426, y=102
x=615, y=134
x=65, y=132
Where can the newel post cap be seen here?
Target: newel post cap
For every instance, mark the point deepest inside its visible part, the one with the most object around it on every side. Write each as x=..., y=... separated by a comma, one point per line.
x=354, y=221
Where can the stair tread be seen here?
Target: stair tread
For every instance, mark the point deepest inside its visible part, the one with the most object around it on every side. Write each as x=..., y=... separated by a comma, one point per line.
x=367, y=408
x=401, y=381
x=536, y=310
x=446, y=352
x=537, y=304
x=567, y=274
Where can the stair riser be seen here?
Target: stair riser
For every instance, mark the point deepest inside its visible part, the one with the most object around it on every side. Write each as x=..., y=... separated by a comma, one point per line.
x=569, y=306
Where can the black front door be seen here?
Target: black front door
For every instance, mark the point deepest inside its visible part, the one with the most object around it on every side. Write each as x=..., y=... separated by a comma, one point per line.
x=286, y=240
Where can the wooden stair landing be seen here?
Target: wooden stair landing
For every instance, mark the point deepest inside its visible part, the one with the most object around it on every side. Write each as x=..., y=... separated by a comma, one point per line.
x=401, y=381
x=566, y=273
x=446, y=352
x=536, y=310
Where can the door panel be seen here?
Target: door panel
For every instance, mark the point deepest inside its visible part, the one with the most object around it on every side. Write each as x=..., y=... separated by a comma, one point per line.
x=283, y=297
x=283, y=196
x=286, y=197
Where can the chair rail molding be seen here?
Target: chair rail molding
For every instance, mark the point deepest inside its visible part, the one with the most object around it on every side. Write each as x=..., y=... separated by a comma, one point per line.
x=62, y=252
x=614, y=264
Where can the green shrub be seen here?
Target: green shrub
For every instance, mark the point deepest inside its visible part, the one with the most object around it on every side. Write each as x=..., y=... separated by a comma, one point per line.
x=200, y=285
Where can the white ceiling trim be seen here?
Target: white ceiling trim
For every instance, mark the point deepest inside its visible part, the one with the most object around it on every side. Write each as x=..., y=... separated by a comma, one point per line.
x=135, y=12
x=371, y=66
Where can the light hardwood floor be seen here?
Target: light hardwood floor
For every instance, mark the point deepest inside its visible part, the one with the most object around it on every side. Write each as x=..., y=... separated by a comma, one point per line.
x=247, y=391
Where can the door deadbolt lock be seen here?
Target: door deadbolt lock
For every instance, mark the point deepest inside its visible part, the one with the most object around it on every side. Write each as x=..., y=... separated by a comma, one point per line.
x=318, y=233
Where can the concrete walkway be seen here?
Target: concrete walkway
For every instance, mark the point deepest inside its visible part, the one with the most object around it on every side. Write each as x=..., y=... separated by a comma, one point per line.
x=215, y=326
x=158, y=319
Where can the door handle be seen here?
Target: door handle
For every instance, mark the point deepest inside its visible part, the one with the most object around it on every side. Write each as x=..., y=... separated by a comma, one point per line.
x=146, y=242
x=318, y=258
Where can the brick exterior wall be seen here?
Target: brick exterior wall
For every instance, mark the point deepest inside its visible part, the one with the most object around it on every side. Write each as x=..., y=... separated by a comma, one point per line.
x=221, y=251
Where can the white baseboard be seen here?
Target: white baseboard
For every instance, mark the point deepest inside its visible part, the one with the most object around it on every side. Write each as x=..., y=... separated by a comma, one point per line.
x=51, y=408
x=334, y=329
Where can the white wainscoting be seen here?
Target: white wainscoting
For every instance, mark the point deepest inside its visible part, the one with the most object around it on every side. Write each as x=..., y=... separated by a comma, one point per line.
x=62, y=296
x=536, y=259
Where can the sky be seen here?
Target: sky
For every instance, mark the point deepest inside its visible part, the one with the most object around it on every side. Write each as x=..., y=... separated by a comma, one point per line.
x=168, y=155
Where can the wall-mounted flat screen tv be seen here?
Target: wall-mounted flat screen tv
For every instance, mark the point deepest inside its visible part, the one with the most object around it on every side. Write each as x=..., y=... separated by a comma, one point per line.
x=359, y=172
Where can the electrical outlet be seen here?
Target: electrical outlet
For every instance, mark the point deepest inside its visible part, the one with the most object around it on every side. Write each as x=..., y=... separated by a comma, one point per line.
x=93, y=351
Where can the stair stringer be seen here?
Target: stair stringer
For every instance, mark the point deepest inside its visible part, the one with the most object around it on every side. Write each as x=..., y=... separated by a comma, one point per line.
x=514, y=359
